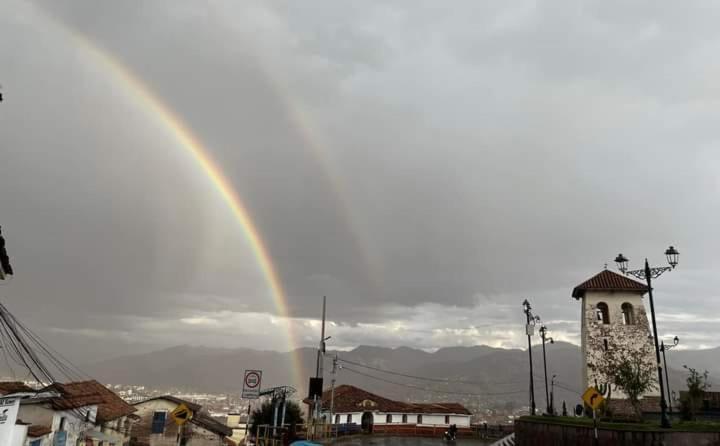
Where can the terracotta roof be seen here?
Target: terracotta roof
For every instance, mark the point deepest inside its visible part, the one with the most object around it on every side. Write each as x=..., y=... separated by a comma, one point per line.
x=608, y=281
x=7, y=387
x=353, y=399
x=192, y=406
x=37, y=430
x=73, y=395
x=83, y=393
x=206, y=421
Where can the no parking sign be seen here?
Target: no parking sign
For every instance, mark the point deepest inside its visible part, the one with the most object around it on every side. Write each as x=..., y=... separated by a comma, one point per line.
x=251, y=384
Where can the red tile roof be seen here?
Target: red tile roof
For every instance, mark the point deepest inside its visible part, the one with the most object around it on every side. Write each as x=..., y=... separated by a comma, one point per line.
x=608, y=281
x=84, y=393
x=353, y=399
x=37, y=430
x=7, y=387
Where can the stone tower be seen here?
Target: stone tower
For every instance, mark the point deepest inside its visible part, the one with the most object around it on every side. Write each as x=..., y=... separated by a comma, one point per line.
x=613, y=322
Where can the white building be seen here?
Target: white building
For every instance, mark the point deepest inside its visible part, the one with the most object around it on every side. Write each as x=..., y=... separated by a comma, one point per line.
x=613, y=321
x=354, y=405
x=156, y=428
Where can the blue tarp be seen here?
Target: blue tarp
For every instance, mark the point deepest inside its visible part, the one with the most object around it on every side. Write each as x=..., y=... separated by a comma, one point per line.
x=304, y=443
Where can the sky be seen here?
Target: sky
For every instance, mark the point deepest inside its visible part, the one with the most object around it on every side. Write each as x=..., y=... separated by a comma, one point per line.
x=427, y=166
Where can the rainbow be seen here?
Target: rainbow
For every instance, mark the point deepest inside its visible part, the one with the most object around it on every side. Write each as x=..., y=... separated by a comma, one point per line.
x=152, y=105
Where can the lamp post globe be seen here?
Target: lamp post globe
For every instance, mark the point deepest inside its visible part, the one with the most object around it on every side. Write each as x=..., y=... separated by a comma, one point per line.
x=621, y=262
x=673, y=256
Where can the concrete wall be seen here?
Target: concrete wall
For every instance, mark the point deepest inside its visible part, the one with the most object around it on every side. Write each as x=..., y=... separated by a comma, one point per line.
x=74, y=426
x=530, y=433
x=632, y=338
x=143, y=429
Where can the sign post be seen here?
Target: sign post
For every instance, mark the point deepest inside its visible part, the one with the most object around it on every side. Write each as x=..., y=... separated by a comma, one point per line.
x=251, y=384
x=251, y=391
x=8, y=415
x=594, y=399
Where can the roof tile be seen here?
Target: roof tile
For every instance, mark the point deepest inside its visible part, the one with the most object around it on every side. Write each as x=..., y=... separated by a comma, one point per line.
x=608, y=281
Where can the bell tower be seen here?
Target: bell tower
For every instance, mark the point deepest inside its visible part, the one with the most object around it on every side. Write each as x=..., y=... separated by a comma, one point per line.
x=613, y=321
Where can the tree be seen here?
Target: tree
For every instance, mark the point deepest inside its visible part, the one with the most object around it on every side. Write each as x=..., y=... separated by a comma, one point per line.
x=265, y=414
x=627, y=368
x=697, y=385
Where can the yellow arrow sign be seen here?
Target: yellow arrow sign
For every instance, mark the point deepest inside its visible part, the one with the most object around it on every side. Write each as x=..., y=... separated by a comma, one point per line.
x=181, y=415
x=593, y=398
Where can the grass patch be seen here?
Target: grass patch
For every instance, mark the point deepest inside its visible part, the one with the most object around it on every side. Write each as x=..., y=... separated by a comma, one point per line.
x=678, y=426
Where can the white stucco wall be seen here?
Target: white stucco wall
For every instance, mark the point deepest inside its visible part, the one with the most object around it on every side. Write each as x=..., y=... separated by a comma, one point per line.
x=380, y=418
x=200, y=436
x=74, y=426
x=632, y=338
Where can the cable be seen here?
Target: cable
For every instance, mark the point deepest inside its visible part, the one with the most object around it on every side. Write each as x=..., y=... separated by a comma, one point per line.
x=425, y=378
x=430, y=390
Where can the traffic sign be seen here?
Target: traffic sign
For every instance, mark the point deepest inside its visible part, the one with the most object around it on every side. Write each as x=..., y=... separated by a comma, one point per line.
x=181, y=415
x=593, y=398
x=251, y=384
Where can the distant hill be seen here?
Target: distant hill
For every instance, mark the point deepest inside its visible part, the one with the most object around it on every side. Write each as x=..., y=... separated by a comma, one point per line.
x=499, y=376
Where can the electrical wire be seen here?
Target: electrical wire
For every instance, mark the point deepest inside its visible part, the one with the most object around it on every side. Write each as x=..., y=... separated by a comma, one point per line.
x=446, y=392
x=425, y=378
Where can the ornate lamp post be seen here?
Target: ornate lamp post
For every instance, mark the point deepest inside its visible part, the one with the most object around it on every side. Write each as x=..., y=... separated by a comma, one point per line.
x=664, y=347
x=529, y=330
x=543, y=334
x=648, y=274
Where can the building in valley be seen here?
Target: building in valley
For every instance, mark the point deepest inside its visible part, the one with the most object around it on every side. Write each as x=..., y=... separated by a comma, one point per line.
x=355, y=405
x=156, y=427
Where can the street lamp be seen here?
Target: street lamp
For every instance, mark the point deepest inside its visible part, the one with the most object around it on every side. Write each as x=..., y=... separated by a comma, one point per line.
x=648, y=274
x=543, y=334
x=664, y=347
x=531, y=321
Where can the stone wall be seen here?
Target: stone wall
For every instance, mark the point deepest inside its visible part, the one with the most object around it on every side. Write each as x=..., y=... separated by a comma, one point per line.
x=536, y=433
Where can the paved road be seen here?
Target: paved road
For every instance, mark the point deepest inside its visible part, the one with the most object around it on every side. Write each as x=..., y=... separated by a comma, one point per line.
x=406, y=441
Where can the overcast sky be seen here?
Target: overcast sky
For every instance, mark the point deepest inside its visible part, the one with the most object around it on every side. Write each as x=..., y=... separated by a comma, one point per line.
x=426, y=165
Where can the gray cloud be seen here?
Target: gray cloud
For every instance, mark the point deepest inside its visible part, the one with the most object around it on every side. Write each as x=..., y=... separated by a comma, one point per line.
x=400, y=158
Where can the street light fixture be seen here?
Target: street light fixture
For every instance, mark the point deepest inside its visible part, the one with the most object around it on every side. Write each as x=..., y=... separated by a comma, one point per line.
x=648, y=274
x=543, y=335
x=531, y=321
x=664, y=347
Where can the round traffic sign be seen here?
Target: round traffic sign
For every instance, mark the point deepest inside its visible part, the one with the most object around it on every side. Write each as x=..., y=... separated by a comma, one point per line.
x=252, y=379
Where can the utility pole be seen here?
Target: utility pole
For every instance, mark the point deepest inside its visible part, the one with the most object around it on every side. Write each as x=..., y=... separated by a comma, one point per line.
x=320, y=358
x=529, y=329
x=332, y=389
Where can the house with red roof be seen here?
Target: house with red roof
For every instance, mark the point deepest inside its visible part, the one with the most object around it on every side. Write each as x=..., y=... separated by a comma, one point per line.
x=354, y=405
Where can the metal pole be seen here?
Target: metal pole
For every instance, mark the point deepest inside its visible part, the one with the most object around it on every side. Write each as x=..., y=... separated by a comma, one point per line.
x=547, y=396
x=247, y=424
x=552, y=395
x=664, y=421
x=332, y=390
x=667, y=376
x=532, y=386
x=320, y=356
x=275, y=415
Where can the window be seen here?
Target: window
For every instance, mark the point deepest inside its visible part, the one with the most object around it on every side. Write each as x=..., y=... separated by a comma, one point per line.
x=419, y=419
x=603, y=314
x=447, y=419
x=337, y=419
x=158, y=422
x=36, y=442
x=62, y=424
x=628, y=314
x=349, y=419
x=404, y=419
x=388, y=418
x=605, y=344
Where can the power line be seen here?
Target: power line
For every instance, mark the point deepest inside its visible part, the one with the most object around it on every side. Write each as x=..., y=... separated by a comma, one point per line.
x=430, y=390
x=425, y=378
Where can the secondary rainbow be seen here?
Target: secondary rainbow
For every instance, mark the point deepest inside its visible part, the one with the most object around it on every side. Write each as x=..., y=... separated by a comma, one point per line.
x=155, y=107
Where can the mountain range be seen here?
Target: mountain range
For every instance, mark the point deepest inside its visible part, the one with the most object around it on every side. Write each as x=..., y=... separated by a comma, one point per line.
x=479, y=376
